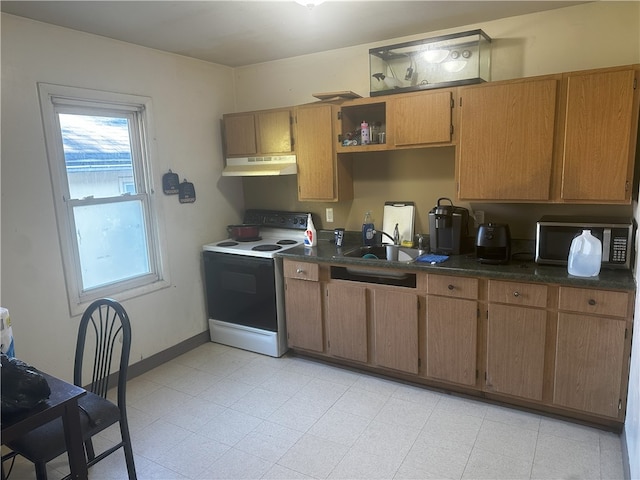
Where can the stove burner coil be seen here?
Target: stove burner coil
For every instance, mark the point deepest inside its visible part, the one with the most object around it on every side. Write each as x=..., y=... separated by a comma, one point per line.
x=286, y=242
x=227, y=243
x=266, y=248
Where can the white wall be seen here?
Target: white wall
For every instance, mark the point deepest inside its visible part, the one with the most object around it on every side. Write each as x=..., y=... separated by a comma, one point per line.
x=189, y=98
x=632, y=423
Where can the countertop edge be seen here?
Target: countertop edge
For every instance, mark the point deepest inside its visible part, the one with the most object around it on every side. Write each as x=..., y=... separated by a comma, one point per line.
x=467, y=265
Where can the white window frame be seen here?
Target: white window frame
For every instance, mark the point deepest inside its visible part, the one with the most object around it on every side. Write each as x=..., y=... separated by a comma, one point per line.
x=56, y=99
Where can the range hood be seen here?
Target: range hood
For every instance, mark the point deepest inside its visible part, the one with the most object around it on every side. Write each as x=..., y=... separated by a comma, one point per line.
x=260, y=166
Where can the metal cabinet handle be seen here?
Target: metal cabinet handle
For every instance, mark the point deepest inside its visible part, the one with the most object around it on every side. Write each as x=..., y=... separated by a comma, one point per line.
x=299, y=270
x=450, y=287
x=516, y=293
x=592, y=302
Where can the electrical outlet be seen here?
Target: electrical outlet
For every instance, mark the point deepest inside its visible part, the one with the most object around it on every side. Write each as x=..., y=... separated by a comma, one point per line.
x=329, y=215
x=478, y=216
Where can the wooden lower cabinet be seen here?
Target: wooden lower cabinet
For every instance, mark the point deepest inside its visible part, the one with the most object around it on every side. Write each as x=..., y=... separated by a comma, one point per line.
x=452, y=331
x=589, y=360
x=303, y=306
x=346, y=313
x=516, y=336
x=395, y=322
x=592, y=350
x=515, y=351
x=555, y=348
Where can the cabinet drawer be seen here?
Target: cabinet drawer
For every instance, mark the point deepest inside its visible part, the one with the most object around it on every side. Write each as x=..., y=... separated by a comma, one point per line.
x=301, y=270
x=515, y=293
x=451, y=286
x=598, y=302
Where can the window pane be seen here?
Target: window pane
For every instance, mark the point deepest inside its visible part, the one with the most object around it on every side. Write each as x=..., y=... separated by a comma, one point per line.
x=112, y=242
x=97, y=154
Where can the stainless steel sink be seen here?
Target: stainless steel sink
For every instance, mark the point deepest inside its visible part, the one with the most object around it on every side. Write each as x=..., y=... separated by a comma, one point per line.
x=379, y=252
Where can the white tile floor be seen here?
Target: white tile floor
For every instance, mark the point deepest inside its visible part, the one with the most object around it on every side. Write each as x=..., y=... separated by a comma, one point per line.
x=222, y=413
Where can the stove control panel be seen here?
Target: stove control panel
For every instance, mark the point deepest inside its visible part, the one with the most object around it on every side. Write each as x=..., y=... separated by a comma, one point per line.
x=276, y=219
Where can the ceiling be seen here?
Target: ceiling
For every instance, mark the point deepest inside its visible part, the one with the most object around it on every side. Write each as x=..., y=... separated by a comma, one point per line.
x=237, y=33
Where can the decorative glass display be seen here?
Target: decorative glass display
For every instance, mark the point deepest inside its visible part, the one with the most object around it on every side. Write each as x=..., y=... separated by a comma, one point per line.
x=443, y=61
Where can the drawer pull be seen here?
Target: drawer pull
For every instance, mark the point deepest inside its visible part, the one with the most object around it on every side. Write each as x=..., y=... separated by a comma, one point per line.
x=516, y=293
x=592, y=302
x=450, y=287
x=299, y=270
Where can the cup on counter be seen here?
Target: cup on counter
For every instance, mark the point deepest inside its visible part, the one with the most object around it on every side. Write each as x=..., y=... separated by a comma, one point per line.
x=338, y=234
x=392, y=252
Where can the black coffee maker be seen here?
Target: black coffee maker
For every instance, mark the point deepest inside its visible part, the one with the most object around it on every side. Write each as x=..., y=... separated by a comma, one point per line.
x=448, y=228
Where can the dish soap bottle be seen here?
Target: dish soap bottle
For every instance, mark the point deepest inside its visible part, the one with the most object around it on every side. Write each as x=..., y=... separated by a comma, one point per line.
x=310, y=238
x=585, y=255
x=367, y=229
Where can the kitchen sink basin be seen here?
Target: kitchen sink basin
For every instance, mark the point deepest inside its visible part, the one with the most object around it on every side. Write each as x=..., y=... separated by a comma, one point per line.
x=379, y=252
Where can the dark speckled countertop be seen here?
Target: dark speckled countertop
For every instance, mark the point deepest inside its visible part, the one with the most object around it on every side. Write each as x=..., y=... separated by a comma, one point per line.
x=526, y=271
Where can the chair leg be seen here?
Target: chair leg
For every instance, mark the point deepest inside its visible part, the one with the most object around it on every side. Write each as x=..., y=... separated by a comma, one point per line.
x=88, y=447
x=41, y=471
x=128, y=451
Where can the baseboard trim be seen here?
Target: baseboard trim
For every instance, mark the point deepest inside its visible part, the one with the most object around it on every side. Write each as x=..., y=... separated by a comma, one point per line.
x=170, y=353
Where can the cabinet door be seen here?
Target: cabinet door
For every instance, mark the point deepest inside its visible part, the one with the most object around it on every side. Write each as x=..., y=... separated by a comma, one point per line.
x=274, y=131
x=240, y=135
x=515, y=351
x=395, y=320
x=589, y=363
x=597, y=156
x=452, y=332
x=347, y=321
x=421, y=119
x=505, y=145
x=303, y=308
x=314, y=151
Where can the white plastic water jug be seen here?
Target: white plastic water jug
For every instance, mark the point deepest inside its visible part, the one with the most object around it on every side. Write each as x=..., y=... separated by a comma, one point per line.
x=585, y=255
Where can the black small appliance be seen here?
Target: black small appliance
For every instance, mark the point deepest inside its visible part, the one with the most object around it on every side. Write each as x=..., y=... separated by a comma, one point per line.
x=493, y=243
x=448, y=228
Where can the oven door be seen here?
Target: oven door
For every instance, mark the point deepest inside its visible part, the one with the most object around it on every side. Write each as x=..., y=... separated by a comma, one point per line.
x=241, y=290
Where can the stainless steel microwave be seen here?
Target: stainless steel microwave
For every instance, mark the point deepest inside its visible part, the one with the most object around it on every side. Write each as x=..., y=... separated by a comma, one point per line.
x=555, y=233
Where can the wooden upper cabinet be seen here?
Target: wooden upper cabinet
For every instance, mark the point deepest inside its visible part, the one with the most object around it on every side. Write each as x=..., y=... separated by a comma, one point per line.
x=599, y=140
x=274, y=131
x=267, y=132
x=421, y=118
x=240, y=134
x=506, y=139
x=321, y=176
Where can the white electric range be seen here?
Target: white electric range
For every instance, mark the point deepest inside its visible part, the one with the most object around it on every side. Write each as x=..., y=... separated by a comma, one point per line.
x=244, y=283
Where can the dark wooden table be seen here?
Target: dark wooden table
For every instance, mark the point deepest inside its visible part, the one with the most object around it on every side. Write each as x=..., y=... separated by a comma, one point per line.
x=62, y=403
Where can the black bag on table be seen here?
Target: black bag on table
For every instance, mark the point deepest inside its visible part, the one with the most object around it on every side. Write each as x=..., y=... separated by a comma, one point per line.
x=23, y=387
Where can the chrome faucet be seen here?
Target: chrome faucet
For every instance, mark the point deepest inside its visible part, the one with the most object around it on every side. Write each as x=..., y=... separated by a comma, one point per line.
x=396, y=235
x=421, y=248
